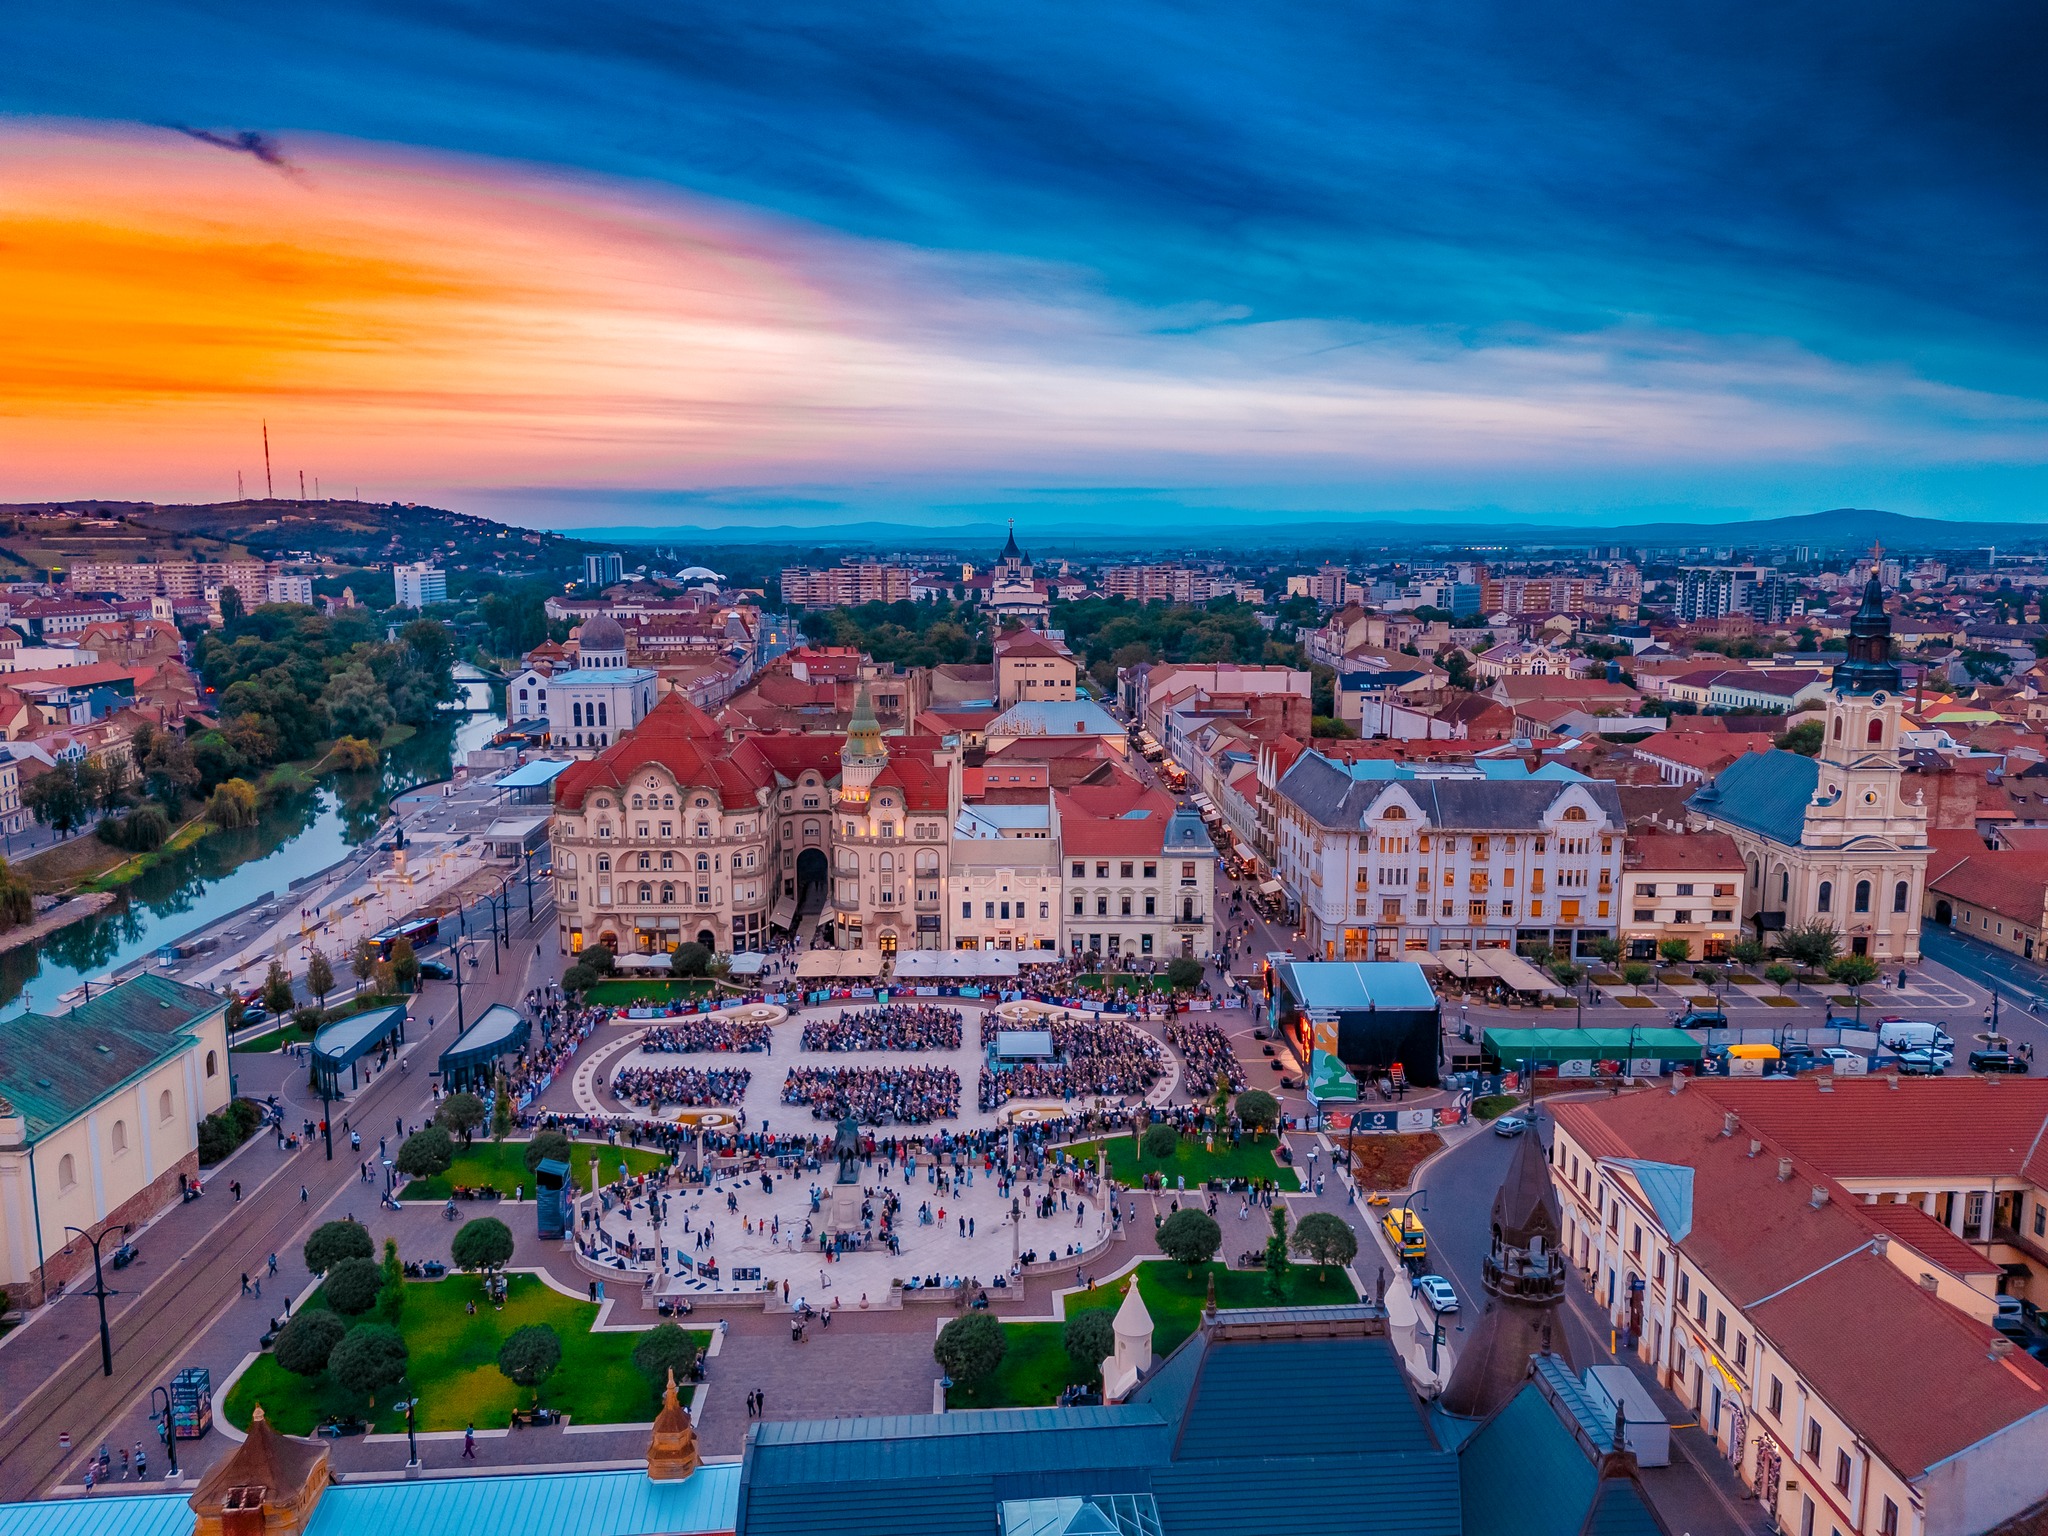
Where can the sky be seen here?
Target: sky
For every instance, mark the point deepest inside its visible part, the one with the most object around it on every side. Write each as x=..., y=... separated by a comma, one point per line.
x=1156, y=264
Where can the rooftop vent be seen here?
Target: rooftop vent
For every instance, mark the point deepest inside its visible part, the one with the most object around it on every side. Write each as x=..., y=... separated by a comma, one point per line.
x=2000, y=1348
x=1784, y=1169
x=1929, y=1283
x=1826, y=1082
x=1728, y=1123
x=1755, y=1146
x=1892, y=1079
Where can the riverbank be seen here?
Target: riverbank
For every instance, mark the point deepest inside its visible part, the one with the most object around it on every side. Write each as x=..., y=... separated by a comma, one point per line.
x=63, y=915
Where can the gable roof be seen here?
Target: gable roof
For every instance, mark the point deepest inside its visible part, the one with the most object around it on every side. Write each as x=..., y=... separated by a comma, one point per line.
x=1764, y=792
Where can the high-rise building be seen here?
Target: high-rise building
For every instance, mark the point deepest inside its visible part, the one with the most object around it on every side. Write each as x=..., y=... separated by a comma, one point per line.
x=603, y=570
x=419, y=585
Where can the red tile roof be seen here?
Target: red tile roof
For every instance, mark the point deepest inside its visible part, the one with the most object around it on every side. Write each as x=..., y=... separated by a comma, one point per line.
x=1924, y=1235
x=1707, y=852
x=2012, y=884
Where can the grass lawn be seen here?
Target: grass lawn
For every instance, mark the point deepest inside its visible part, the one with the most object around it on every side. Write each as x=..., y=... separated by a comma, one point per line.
x=630, y=994
x=1035, y=1366
x=1251, y=1160
x=1631, y=1001
x=454, y=1365
x=502, y=1166
x=276, y=1040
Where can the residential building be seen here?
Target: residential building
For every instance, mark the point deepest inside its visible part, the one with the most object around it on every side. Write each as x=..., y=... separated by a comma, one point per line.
x=1774, y=1253
x=1388, y=857
x=1995, y=897
x=1004, y=892
x=1693, y=757
x=603, y=570
x=679, y=830
x=1748, y=690
x=845, y=585
x=99, y=1121
x=1681, y=886
x=1150, y=689
x=1833, y=838
x=1140, y=875
x=1031, y=667
x=419, y=586
x=288, y=587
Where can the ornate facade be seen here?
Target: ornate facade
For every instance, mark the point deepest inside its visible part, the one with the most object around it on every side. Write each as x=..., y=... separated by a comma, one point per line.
x=682, y=832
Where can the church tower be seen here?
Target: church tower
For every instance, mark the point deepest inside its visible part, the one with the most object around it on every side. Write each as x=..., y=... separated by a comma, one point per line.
x=1860, y=778
x=863, y=757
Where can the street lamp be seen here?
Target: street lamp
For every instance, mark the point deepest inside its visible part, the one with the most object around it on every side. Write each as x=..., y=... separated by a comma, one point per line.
x=99, y=1290
x=170, y=1430
x=412, y=1443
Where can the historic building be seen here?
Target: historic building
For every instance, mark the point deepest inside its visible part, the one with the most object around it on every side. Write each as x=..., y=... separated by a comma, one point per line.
x=1012, y=591
x=1834, y=838
x=681, y=831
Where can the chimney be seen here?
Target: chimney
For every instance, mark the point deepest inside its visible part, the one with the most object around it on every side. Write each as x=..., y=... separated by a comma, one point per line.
x=1755, y=1146
x=1678, y=1080
x=1892, y=1079
x=1881, y=1245
x=1929, y=1284
x=2000, y=1348
x=1728, y=1123
x=1819, y=1197
x=1825, y=1082
x=1784, y=1169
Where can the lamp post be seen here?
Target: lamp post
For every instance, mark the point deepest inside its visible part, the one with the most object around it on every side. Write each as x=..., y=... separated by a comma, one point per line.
x=455, y=952
x=1406, y=1201
x=170, y=1430
x=412, y=1443
x=100, y=1291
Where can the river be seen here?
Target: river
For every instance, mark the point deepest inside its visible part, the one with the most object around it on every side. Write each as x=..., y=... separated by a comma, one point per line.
x=296, y=836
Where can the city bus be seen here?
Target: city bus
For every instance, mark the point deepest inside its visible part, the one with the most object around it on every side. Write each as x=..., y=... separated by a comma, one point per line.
x=1404, y=1231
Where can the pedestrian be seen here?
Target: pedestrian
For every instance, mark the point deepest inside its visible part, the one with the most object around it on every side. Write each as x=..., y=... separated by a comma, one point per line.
x=469, y=1442
x=302, y=1194
x=273, y=1263
x=235, y=1189
x=141, y=1463
x=245, y=1282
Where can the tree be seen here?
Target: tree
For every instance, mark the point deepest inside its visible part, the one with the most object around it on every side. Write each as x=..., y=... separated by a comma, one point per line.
x=1160, y=1141
x=169, y=772
x=545, y=1145
x=1324, y=1238
x=1635, y=973
x=391, y=1294
x=665, y=1348
x=277, y=989
x=233, y=804
x=460, y=1113
x=1706, y=975
x=405, y=964
x=362, y=960
x=1812, y=944
x=352, y=754
x=53, y=796
x=691, y=959
x=307, y=1341
x=17, y=899
x=426, y=1153
x=1778, y=973
x=1277, y=1264
x=1258, y=1109
x=319, y=977
x=1090, y=1339
x=1748, y=951
x=485, y=1243
x=1566, y=973
x=369, y=1358
x=335, y=1241
x=351, y=1286
x=1854, y=972
x=1183, y=974
x=356, y=704
x=1190, y=1236
x=970, y=1348
x=579, y=979
x=501, y=1108
x=529, y=1356
x=1674, y=951
x=230, y=611
x=1805, y=738
x=1607, y=949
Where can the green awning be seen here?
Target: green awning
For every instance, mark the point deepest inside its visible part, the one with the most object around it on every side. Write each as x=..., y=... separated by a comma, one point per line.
x=1510, y=1046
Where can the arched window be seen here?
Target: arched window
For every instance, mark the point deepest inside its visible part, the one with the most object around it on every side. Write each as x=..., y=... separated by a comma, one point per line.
x=1899, y=897
x=1838, y=727
x=1575, y=813
x=119, y=1138
x=163, y=1105
x=212, y=1064
x=604, y=863
x=647, y=893
x=647, y=861
x=703, y=863
x=1876, y=731
x=1395, y=813
x=668, y=893
x=927, y=862
x=1826, y=903
x=67, y=1172
x=1862, y=895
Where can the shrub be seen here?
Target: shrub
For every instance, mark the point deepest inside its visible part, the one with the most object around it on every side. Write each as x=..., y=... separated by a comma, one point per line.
x=352, y=754
x=1191, y=1237
x=666, y=1348
x=970, y=1348
x=1492, y=1106
x=368, y=1359
x=484, y=1243
x=1160, y=1141
x=233, y=804
x=335, y=1241
x=1183, y=974
x=545, y=1145
x=352, y=1285
x=308, y=1340
x=1090, y=1338
x=689, y=960
x=425, y=1153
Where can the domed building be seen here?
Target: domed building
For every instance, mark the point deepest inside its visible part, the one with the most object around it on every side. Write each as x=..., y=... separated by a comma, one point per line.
x=601, y=643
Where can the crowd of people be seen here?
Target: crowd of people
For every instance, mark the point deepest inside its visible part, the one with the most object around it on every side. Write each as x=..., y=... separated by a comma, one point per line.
x=1206, y=1050
x=892, y=1027
x=652, y=1087
x=875, y=1095
x=1108, y=1058
x=708, y=1032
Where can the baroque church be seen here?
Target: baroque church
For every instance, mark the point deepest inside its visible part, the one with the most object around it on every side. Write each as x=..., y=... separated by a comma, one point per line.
x=1835, y=838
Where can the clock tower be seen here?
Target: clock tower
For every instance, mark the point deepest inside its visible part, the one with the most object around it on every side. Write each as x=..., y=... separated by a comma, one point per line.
x=1860, y=778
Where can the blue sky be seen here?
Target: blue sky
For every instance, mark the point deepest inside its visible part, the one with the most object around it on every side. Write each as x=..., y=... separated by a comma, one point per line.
x=1592, y=262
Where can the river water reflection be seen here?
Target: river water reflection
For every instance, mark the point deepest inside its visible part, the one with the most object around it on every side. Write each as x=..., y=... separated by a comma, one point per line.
x=297, y=836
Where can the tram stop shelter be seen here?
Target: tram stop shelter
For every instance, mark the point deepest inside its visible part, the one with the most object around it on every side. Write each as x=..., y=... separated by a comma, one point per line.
x=468, y=1063
x=347, y=1041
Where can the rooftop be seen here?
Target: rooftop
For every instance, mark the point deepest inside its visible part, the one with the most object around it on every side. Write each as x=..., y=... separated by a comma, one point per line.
x=53, y=1069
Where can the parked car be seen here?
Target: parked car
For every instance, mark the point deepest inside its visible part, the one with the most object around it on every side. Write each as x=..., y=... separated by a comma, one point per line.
x=1701, y=1018
x=1997, y=1061
x=255, y=1013
x=1436, y=1290
x=1837, y=1053
x=2011, y=1318
x=1923, y=1063
x=1510, y=1125
x=437, y=970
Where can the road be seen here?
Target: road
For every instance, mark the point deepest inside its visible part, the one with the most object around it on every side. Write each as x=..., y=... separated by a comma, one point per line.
x=153, y=1326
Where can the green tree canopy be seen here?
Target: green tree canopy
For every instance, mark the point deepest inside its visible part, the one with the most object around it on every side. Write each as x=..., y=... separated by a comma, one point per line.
x=546, y=1144
x=1183, y=974
x=1160, y=1140
x=1258, y=1109
x=425, y=1153
x=691, y=959
x=1090, y=1339
x=351, y=1286
x=306, y=1342
x=334, y=1241
x=1324, y=1238
x=461, y=1113
x=969, y=1348
x=1190, y=1236
x=485, y=1243
x=530, y=1354
x=664, y=1348
x=369, y=1358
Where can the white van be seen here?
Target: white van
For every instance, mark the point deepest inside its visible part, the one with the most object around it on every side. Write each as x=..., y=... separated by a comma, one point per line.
x=1912, y=1035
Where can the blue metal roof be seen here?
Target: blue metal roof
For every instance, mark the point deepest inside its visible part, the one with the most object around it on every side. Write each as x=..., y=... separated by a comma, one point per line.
x=1669, y=1188
x=1330, y=1495
x=1765, y=792
x=149, y=1514
x=349, y=1039
x=561, y=1503
x=1357, y=984
x=601, y=677
x=532, y=775
x=1522, y=1473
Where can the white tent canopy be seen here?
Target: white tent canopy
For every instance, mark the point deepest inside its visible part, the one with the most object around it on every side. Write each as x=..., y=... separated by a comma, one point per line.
x=640, y=963
x=954, y=964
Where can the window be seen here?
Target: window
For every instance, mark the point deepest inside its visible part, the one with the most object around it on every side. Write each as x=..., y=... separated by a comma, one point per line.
x=1699, y=1307
x=1102, y=906
x=668, y=894
x=988, y=909
x=1862, y=895
x=1080, y=870
x=1888, y=1520
x=1826, y=901
x=67, y=1172
x=1813, y=1438
x=1151, y=906
x=163, y=1105
x=967, y=909
x=1741, y=1349
x=1102, y=869
x=1079, y=906
x=1151, y=871
x=1647, y=892
x=604, y=863
x=1126, y=912
x=1720, y=1330
x=646, y=861
x=119, y=1139
x=1842, y=1470
x=1044, y=909
x=212, y=1065
x=1777, y=1398
x=1876, y=732
x=1684, y=1288
x=1685, y=889
x=1899, y=897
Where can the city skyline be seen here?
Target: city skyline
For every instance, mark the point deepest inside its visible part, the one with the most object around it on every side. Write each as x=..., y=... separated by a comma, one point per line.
x=1169, y=268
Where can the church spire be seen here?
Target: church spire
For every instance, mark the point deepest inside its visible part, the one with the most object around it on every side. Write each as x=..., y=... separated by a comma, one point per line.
x=1870, y=668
